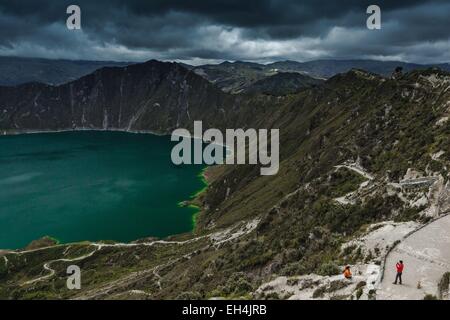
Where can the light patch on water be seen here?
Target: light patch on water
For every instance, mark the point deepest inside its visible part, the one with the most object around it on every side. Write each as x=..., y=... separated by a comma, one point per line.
x=125, y=183
x=19, y=178
x=110, y=194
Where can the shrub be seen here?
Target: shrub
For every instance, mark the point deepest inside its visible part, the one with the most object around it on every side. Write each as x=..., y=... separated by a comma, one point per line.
x=237, y=284
x=328, y=269
x=189, y=295
x=272, y=296
x=319, y=292
x=359, y=293
x=371, y=295
x=292, y=281
x=338, y=285
x=243, y=286
x=293, y=269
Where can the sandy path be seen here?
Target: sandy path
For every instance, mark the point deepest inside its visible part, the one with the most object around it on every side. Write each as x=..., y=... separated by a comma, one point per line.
x=426, y=255
x=358, y=170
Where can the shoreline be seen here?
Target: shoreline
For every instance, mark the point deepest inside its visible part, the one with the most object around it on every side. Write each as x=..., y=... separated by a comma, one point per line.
x=204, y=179
x=189, y=203
x=228, y=151
x=26, y=131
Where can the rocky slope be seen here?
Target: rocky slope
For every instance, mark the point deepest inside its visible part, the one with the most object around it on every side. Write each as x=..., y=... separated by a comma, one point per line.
x=282, y=83
x=236, y=77
x=352, y=150
x=233, y=77
x=153, y=96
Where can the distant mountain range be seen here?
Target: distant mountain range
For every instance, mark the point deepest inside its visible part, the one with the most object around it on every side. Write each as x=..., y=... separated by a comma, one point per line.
x=14, y=71
x=236, y=77
x=233, y=77
x=329, y=68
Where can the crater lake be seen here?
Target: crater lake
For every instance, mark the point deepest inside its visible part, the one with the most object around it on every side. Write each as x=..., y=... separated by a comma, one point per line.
x=92, y=185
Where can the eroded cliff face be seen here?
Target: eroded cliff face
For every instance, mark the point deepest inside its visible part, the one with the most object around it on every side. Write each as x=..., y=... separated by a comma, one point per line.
x=154, y=96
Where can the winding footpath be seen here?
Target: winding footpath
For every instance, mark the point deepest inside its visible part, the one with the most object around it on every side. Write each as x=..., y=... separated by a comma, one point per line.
x=426, y=254
x=52, y=271
x=359, y=170
x=218, y=238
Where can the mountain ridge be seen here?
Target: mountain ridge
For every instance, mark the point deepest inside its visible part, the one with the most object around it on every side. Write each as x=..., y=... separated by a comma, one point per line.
x=232, y=77
x=157, y=96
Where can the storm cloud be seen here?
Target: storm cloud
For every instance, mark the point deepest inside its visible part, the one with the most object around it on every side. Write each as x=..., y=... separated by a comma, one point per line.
x=215, y=30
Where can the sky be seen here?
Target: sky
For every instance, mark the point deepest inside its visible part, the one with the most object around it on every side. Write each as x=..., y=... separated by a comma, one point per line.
x=211, y=31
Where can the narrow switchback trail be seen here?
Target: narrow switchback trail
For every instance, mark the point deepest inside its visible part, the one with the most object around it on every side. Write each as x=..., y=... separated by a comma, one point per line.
x=216, y=239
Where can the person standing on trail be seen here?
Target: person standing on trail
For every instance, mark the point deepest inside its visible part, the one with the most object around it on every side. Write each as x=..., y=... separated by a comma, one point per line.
x=400, y=266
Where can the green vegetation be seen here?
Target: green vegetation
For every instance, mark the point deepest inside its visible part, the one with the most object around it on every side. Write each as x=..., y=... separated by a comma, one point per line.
x=342, y=182
x=359, y=293
x=42, y=243
x=328, y=269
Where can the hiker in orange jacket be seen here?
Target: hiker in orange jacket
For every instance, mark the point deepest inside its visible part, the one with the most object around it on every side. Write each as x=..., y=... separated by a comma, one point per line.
x=400, y=266
x=347, y=273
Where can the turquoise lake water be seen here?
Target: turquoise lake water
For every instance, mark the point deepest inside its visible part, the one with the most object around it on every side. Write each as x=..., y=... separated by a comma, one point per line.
x=92, y=185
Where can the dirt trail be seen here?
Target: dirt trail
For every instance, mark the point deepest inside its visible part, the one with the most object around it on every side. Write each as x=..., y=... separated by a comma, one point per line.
x=52, y=271
x=426, y=254
x=349, y=197
x=216, y=238
x=359, y=170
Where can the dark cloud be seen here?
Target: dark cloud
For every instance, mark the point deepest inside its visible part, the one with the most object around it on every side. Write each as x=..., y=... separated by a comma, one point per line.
x=196, y=31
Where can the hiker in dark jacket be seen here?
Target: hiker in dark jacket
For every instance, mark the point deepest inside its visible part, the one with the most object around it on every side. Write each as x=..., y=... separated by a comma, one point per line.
x=400, y=266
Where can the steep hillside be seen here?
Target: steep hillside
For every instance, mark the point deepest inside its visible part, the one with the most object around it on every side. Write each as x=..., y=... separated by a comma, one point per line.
x=233, y=77
x=153, y=96
x=282, y=83
x=356, y=151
